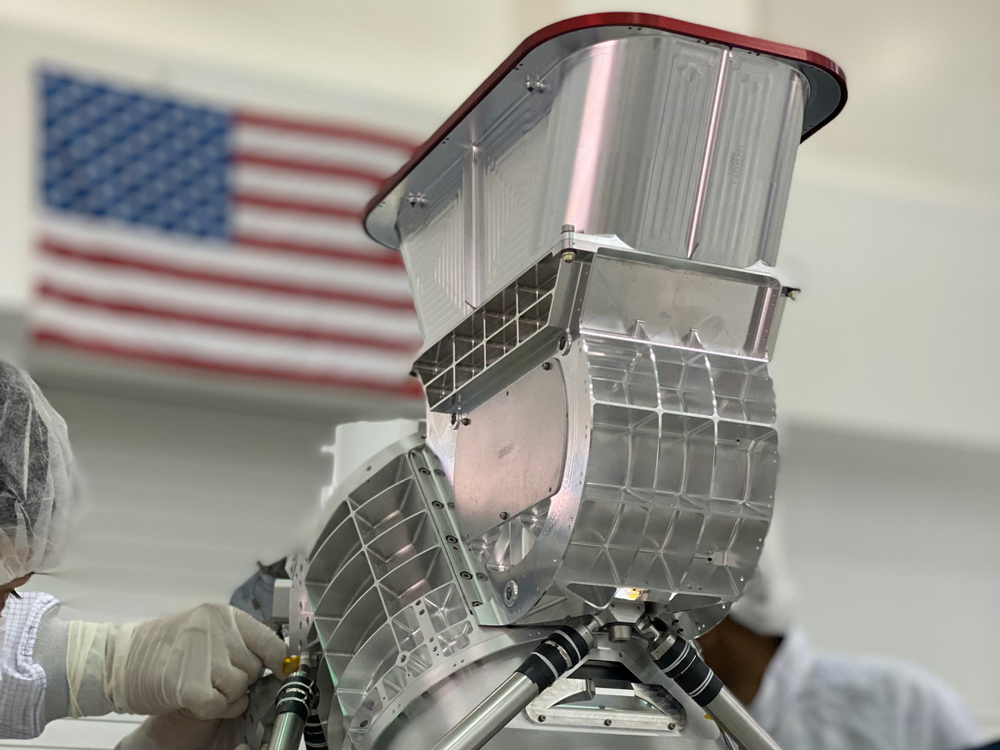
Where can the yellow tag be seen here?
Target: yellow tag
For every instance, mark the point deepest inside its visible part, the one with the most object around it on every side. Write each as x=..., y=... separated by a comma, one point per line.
x=290, y=665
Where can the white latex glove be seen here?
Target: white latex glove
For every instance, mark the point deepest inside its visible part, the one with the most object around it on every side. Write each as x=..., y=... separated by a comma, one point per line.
x=181, y=731
x=201, y=661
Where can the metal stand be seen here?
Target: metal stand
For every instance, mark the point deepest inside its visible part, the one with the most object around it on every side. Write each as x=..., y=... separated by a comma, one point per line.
x=680, y=661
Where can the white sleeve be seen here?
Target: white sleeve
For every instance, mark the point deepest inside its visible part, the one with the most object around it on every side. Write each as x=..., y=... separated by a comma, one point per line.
x=933, y=714
x=22, y=679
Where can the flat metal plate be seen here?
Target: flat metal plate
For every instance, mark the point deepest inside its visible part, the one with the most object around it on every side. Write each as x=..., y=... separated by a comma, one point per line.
x=512, y=453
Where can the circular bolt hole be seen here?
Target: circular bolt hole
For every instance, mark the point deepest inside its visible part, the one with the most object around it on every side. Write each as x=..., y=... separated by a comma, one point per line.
x=363, y=724
x=402, y=658
x=438, y=473
x=562, y=343
x=607, y=722
x=424, y=470
x=466, y=575
x=451, y=539
x=437, y=504
x=451, y=506
x=477, y=604
x=481, y=576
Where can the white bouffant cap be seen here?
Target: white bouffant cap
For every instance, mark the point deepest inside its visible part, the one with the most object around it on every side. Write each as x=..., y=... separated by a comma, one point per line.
x=38, y=487
x=766, y=604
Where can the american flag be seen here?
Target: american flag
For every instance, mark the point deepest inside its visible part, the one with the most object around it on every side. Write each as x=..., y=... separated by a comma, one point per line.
x=215, y=240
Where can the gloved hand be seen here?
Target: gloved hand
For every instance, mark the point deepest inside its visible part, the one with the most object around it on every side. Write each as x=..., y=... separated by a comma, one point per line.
x=181, y=731
x=201, y=661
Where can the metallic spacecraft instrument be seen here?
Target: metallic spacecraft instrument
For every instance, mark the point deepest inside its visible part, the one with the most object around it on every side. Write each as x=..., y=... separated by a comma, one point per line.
x=591, y=242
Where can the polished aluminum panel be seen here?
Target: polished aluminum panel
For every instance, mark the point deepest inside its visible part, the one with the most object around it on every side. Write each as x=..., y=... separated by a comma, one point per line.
x=677, y=147
x=651, y=396
x=513, y=453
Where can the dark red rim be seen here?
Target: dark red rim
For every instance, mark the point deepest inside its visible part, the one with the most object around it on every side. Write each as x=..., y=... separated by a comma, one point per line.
x=593, y=20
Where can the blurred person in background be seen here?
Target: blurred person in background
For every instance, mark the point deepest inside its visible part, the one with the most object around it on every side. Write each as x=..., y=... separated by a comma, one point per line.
x=189, y=672
x=810, y=700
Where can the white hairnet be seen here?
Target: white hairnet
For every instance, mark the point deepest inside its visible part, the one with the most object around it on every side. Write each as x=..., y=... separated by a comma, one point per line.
x=37, y=485
x=766, y=604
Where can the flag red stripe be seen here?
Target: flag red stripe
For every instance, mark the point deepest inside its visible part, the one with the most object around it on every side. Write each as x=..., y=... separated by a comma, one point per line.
x=50, y=291
x=409, y=388
x=307, y=207
x=294, y=165
x=377, y=256
x=103, y=258
x=327, y=129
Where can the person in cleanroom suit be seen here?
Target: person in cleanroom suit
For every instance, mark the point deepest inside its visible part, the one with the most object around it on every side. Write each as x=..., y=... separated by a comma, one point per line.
x=190, y=672
x=810, y=700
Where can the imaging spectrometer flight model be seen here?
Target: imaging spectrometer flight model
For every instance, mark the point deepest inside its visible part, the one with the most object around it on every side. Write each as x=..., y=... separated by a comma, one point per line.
x=591, y=242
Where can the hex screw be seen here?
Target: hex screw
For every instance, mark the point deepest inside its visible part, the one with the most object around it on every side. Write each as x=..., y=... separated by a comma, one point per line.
x=671, y=726
x=546, y=365
x=542, y=717
x=503, y=515
x=569, y=256
x=466, y=421
x=510, y=593
x=607, y=722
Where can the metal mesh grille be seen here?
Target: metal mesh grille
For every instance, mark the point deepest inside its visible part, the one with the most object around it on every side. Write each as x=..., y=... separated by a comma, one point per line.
x=508, y=320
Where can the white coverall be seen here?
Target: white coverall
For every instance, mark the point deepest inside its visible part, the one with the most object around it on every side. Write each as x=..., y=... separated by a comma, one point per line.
x=809, y=700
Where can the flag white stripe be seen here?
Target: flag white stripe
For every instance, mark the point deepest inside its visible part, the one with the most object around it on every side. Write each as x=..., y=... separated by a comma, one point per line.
x=220, y=258
x=234, y=348
x=195, y=297
x=278, y=225
x=317, y=148
x=287, y=185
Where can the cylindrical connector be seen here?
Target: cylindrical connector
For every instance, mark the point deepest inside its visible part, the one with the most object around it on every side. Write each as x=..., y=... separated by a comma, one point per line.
x=680, y=661
x=314, y=736
x=294, y=703
x=566, y=647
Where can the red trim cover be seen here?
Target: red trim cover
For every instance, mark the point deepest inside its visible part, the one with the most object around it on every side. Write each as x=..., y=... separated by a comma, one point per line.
x=593, y=20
